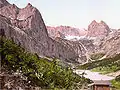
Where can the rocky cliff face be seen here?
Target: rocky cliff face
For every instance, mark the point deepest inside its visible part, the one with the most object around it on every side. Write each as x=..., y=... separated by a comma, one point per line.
x=65, y=30
x=111, y=44
x=82, y=47
x=74, y=46
x=26, y=27
x=98, y=29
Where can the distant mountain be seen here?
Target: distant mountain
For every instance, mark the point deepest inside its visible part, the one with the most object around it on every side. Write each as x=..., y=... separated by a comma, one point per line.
x=66, y=31
x=98, y=29
x=95, y=29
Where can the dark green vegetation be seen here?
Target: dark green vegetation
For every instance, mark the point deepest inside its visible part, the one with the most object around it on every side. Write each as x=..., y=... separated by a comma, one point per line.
x=106, y=65
x=96, y=56
x=39, y=71
x=116, y=83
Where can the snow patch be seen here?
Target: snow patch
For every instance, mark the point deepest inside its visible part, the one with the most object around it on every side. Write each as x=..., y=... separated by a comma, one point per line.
x=68, y=37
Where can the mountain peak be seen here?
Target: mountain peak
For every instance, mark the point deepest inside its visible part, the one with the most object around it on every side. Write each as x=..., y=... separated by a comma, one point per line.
x=98, y=29
x=29, y=5
x=94, y=22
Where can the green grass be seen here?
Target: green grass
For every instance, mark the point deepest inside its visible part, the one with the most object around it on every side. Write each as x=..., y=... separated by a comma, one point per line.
x=106, y=70
x=116, y=84
x=96, y=56
x=107, y=64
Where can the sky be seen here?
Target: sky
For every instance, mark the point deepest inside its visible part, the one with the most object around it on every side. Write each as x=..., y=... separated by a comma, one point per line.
x=76, y=13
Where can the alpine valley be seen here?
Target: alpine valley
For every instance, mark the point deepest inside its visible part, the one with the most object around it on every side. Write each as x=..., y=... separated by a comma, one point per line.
x=36, y=55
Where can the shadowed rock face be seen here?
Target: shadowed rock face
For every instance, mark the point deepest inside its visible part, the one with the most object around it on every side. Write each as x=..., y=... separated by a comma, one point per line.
x=98, y=29
x=26, y=27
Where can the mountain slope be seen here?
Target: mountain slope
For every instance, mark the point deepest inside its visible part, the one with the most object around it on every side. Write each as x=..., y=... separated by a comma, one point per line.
x=24, y=70
x=111, y=44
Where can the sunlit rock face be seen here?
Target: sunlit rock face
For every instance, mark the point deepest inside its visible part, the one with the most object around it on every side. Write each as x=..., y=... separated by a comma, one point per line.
x=98, y=29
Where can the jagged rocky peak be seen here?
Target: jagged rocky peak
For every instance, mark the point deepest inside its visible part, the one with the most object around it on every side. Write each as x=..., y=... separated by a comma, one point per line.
x=26, y=12
x=9, y=10
x=94, y=22
x=27, y=18
x=31, y=18
x=13, y=12
x=98, y=29
x=29, y=4
x=14, y=6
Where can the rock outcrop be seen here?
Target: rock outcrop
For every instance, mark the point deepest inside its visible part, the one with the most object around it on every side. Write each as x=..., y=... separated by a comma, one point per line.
x=58, y=34
x=26, y=27
x=98, y=29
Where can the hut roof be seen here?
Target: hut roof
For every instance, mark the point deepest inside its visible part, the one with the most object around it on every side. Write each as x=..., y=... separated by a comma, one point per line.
x=100, y=82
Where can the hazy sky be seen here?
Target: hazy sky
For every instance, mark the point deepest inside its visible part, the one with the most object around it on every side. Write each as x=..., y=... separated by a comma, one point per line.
x=77, y=13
